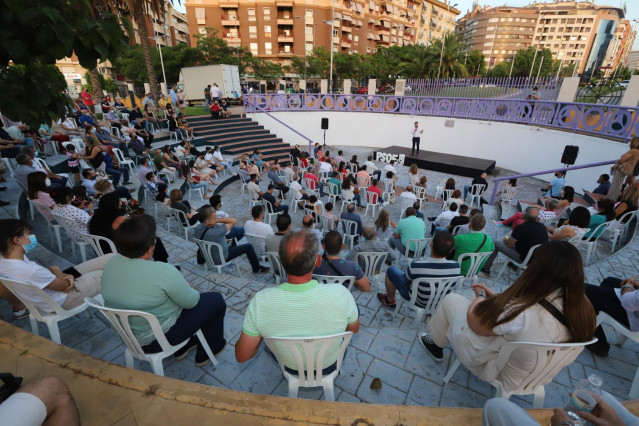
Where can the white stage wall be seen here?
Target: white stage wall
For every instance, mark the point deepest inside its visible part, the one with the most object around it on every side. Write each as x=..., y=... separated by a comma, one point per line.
x=517, y=147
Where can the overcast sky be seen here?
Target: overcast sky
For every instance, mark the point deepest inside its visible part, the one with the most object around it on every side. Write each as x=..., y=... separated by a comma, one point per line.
x=465, y=5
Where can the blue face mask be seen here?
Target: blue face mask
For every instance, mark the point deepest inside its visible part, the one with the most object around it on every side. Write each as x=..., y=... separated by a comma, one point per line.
x=36, y=154
x=32, y=244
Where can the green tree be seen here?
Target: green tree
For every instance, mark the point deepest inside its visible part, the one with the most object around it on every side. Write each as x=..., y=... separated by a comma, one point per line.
x=212, y=50
x=107, y=84
x=499, y=70
x=419, y=65
x=34, y=35
x=452, y=56
x=475, y=63
x=622, y=73
x=263, y=69
x=319, y=62
x=524, y=62
x=131, y=65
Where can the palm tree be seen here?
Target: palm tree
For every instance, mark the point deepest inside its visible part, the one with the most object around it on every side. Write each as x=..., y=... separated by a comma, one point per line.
x=419, y=65
x=137, y=9
x=96, y=86
x=452, y=56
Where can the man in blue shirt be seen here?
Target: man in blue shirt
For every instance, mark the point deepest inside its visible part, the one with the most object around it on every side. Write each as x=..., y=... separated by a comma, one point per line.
x=556, y=185
x=277, y=182
x=350, y=214
x=604, y=185
x=85, y=119
x=333, y=264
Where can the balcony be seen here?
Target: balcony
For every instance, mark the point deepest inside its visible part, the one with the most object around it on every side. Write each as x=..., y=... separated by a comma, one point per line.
x=231, y=38
x=286, y=37
x=383, y=30
x=346, y=43
x=283, y=20
x=284, y=3
x=284, y=54
x=230, y=21
x=348, y=29
x=229, y=4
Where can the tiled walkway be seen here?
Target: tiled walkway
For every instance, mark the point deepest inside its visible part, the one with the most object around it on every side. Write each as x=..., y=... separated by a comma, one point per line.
x=386, y=346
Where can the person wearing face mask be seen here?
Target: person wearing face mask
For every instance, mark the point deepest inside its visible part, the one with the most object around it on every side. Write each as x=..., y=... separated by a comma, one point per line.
x=67, y=288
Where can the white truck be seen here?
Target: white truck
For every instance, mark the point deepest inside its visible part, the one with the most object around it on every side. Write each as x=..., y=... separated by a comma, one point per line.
x=193, y=80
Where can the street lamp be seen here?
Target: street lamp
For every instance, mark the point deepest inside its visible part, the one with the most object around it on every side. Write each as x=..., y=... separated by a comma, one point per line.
x=332, y=24
x=563, y=55
x=441, y=54
x=161, y=60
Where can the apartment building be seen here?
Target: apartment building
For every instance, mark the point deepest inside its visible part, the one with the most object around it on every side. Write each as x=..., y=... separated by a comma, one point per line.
x=278, y=30
x=582, y=33
x=168, y=30
x=632, y=61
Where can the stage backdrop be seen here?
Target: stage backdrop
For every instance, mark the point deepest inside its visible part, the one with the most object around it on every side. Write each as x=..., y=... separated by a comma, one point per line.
x=517, y=147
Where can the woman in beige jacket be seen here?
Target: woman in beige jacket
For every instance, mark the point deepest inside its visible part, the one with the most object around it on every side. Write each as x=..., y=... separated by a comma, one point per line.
x=477, y=330
x=623, y=168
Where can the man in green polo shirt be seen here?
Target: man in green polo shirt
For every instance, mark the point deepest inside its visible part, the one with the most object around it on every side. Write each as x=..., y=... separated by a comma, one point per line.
x=475, y=241
x=409, y=228
x=300, y=307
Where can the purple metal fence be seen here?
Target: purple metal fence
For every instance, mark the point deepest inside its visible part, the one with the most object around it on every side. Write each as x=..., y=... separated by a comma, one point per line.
x=613, y=122
x=544, y=172
x=488, y=87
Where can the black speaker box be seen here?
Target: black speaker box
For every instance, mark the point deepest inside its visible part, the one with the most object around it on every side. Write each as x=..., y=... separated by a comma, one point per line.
x=324, y=123
x=570, y=154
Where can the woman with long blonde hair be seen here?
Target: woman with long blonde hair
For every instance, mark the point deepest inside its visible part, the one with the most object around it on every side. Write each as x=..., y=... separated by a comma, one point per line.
x=385, y=226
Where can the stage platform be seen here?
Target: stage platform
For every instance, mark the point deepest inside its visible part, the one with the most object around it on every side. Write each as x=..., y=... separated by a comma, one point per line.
x=445, y=163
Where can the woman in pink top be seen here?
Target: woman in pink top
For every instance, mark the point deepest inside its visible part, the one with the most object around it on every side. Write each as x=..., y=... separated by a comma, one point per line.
x=38, y=191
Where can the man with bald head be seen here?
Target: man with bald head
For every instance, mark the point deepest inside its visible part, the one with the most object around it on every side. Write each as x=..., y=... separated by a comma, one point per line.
x=481, y=180
x=299, y=307
x=307, y=222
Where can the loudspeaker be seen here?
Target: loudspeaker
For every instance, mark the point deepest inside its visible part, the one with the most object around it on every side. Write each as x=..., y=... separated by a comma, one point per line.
x=570, y=154
x=324, y=123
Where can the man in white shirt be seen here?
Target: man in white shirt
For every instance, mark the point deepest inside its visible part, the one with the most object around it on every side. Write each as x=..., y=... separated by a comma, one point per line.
x=216, y=93
x=408, y=197
x=417, y=133
x=258, y=227
x=391, y=167
x=256, y=192
x=372, y=168
x=298, y=192
x=445, y=217
x=307, y=222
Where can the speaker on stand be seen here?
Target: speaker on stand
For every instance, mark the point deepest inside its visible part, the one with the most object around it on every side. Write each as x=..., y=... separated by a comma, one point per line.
x=324, y=127
x=569, y=157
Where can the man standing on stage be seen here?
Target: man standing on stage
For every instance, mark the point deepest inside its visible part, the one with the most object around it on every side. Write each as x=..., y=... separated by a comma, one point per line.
x=417, y=132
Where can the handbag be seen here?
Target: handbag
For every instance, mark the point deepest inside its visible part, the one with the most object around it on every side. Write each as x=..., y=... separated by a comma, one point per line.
x=199, y=255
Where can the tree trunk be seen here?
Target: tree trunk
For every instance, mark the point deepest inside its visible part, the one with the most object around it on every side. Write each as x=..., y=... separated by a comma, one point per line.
x=139, y=14
x=97, y=87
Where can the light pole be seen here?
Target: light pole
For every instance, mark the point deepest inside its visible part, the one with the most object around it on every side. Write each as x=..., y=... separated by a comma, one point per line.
x=332, y=24
x=492, y=48
x=441, y=53
x=161, y=60
x=532, y=67
x=563, y=55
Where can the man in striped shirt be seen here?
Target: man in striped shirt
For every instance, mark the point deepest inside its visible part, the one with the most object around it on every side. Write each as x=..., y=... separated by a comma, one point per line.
x=437, y=266
x=300, y=307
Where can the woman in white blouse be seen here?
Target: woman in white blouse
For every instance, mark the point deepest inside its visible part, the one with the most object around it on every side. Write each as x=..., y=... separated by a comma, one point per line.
x=62, y=195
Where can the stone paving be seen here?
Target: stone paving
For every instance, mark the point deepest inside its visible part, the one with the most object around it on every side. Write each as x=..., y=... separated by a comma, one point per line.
x=386, y=346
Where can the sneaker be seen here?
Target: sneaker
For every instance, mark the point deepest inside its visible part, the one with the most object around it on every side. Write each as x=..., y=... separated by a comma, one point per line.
x=435, y=351
x=184, y=350
x=261, y=269
x=20, y=313
x=501, y=225
x=383, y=298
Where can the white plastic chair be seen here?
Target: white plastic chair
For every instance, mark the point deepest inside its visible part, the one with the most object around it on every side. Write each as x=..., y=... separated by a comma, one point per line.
x=269, y=214
x=45, y=166
x=276, y=267
x=456, y=229
x=170, y=176
x=324, y=223
x=418, y=246
x=439, y=189
x=350, y=230
x=312, y=187
x=163, y=212
x=69, y=227
x=363, y=182
x=115, y=131
x=449, y=196
x=309, y=353
x=371, y=202
x=591, y=244
x=619, y=232
x=622, y=334
x=550, y=359
x=474, y=194
x=371, y=262
x=476, y=260
x=95, y=242
x=26, y=292
x=54, y=228
x=346, y=280
x=346, y=202
x=124, y=161
x=388, y=190
x=200, y=191
x=523, y=265
x=208, y=249
x=420, y=193
x=26, y=195
x=427, y=294
x=119, y=319
x=259, y=243
x=182, y=222
x=333, y=192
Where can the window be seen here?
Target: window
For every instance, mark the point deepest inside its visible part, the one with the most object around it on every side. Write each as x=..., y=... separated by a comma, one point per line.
x=253, y=32
x=200, y=15
x=251, y=14
x=267, y=31
x=356, y=39
x=493, y=20
x=267, y=13
x=253, y=47
x=309, y=47
x=268, y=48
x=309, y=33
x=309, y=14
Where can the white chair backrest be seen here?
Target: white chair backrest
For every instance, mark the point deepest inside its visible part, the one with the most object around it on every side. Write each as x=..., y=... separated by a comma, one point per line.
x=310, y=183
x=417, y=247
x=529, y=255
x=119, y=319
x=363, y=181
x=371, y=262
x=354, y=168
x=96, y=242
x=389, y=186
x=27, y=292
x=349, y=226
x=212, y=252
x=119, y=155
x=24, y=188
x=43, y=210
x=456, y=229
x=345, y=280
x=324, y=221
x=548, y=359
x=257, y=241
x=71, y=227
x=427, y=293
x=276, y=264
x=449, y=194
x=371, y=197
x=477, y=189
x=508, y=194
x=420, y=192
x=42, y=163
x=309, y=353
x=333, y=188
x=476, y=259
x=180, y=217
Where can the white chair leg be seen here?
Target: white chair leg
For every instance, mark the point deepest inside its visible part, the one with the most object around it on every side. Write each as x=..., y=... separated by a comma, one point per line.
x=156, y=365
x=540, y=394
x=83, y=252
x=293, y=387
x=453, y=368
x=206, y=347
x=34, y=325
x=54, y=332
x=75, y=259
x=621, y=339
x=329, y=392
x=501, y=271
x=31, y=209
x=128, y=358
x=634, y=389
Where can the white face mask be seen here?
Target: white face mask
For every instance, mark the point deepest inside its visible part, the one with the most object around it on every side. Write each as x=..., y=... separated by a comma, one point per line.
x=47, y=182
